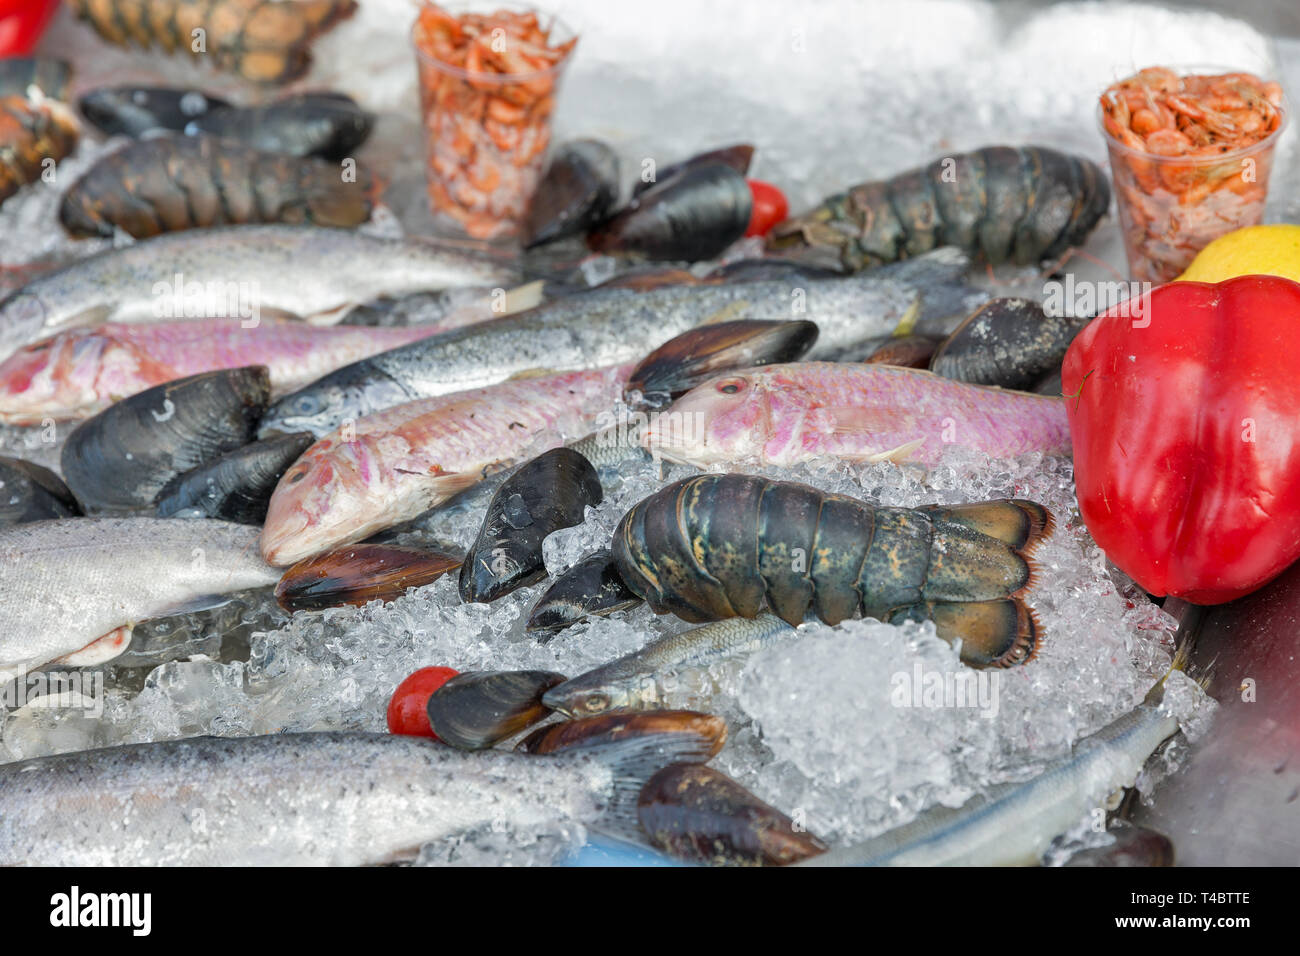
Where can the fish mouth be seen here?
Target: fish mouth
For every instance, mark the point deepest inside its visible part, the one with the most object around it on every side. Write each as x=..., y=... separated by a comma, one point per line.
x=285, y=538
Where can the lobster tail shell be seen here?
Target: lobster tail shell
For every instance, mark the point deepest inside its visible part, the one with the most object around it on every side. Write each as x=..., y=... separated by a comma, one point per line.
x=719, y=546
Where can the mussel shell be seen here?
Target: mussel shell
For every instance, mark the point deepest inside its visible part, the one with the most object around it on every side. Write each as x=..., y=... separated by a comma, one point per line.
x=738, y=157
x=358, y=574
x=579, y=189
x=611, y=728
x=592, y=586
x=907, y=351
x=477, y=709
x=1008, y=342
x=543, y=495
x=137, y=110
x=694, y=214
x=29, y=492
x=324, y=124
x=696, y=813
x=1133, y=846
x=238, y=485
x=698, y=354
x=1050, y=384
x=120, y=459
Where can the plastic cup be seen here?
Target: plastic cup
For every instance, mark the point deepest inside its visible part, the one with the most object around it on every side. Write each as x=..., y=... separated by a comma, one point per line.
x=487, y=133
x=1172, y=207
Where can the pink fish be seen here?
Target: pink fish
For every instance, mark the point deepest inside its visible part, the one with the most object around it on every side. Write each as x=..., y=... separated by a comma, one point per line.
x=79, y=372
x=787, y=414
x=391, y=466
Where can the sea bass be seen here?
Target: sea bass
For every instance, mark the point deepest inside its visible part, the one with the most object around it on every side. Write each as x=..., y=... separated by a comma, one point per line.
x=304, y=272
x=609, y=326
x=76, y=373
x=342, y=799
x=395, y=464
x=72, y=589
x=1013, y=824
x=787, y=414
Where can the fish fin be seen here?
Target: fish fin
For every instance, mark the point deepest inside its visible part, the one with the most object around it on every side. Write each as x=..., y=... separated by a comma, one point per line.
x=526, y=296
x=99, y=650
x=735, y=310
x=907, y=324
x=528, y=373
x=95, y=315
x=200, y=602
x=644, y=282
x=632, y=762
x=901, y=453
x=328, y=317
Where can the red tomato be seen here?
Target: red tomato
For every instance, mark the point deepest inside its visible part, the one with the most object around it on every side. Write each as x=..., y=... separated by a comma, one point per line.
x=407, y=710
x=770, y=207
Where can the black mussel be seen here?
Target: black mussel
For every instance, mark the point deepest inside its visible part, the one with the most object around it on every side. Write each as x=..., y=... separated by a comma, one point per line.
x=694, y=214
x=137, y=110
x=18, y=75
x=120, y=459
x=696, y=813
x=358, y=574
x=683, y=362
x=324, y=124
x=29, y=492
x=908, y=351
x=543, y=495
x=477, y=709
x=1050, y=384
x=1008, y=342
x=579, y=190
x=1133, y=846
x=592, y=586
x=738, y=157
x=611, y=728
x=238, y=485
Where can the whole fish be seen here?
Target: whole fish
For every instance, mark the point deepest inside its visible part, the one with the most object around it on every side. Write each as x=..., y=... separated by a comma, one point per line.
x=609, y=326
x=72, y=589
x=393, y=465
x=310, y=798
x=1013, y=824
x=78, y=372
x=787, y=414
x=632, y=681
x=245, y=272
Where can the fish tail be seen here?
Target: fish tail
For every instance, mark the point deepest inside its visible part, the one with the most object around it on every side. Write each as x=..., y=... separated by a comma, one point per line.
x=632, y=762
x=1188, y=631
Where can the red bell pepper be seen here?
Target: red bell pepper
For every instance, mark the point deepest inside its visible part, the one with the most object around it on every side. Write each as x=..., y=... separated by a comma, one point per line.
x=1185, y=420
x=21, y=24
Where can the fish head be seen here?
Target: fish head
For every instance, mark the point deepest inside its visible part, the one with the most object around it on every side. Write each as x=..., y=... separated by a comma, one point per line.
x=324, y=499
x=577, y=698
x=57, y=378
x=332, y=403
x=721, y=420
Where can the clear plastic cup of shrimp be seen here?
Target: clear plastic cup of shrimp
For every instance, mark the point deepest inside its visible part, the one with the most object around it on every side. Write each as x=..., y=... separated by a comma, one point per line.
x=489, y=77
x=1191, y=152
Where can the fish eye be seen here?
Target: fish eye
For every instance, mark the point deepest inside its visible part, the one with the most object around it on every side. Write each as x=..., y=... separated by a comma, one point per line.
x=731, y=386
x=305, y=405
x=596, y=703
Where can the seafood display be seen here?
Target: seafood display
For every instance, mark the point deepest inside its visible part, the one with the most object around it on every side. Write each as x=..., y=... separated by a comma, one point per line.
x=77, y=373
x=263, y=41
x=168, y=183
x=487, y=87
x=722, y=546
x=787, y=414
x=244, y=272
x=1021, y=205
x=389, y=476
x=1191, y=155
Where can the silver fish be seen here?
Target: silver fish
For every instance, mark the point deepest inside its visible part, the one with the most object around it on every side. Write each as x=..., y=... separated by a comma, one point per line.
x=605, y=327
x=72, y=589
x=631, y=682
x=308, y=798
x=1013, y=824
x=241, y=272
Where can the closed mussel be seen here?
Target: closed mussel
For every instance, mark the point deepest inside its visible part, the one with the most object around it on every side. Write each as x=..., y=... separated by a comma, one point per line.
x=611, y=728
x=1008, y=342
x=477, y=709
x=591, y=587
x=238, y=485
x=358, y=574
x=579, y=189
x=29, y=492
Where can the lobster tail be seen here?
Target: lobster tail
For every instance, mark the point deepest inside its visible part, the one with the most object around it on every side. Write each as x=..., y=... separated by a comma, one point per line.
x=719, y=546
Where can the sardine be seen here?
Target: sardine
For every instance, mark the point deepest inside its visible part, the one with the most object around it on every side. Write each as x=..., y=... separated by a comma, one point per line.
x=79, y=372
x=632, y=682
x=787, y=414
x=396, y=464
x=297, y=799
x=1013, y=824
x=72, y=589
x=266, y=271
x=610, y=326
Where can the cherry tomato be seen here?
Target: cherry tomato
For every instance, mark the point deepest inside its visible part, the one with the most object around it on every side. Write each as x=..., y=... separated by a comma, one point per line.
x=407, y=713
x=770, y=207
